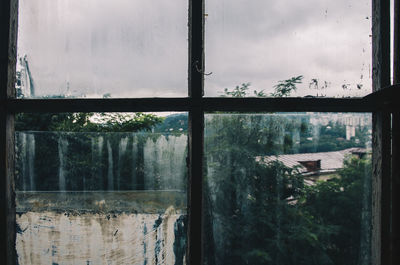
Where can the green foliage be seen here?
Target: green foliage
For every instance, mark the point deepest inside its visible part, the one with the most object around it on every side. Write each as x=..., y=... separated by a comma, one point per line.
x=238, y=91
x=339, y=203
x=175, y=123
x=87, y=167
x=278, y=224
x=86, y=122
x=284, y=88
x=243, y=91
x=331, y=137
x=264, y=213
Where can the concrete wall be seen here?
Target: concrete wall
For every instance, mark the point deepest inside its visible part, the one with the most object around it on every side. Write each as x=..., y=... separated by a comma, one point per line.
x=46, y=234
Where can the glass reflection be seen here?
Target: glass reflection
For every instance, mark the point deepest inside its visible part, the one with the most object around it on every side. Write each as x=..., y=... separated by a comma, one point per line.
x=101, y=188
x=287, y=188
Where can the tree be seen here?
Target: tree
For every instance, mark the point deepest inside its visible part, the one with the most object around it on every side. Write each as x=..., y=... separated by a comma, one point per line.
x=86, y=122
x=284, y=88
x=253, y=219
x=265, y=213
x=95, y=143
x=339, y=203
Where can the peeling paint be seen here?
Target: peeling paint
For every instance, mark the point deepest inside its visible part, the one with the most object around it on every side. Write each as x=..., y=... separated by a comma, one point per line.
x=95, y=237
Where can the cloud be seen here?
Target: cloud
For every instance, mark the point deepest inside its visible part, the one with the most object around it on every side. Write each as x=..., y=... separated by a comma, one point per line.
x=263, y=42
x=139, y=48
x=125, y=48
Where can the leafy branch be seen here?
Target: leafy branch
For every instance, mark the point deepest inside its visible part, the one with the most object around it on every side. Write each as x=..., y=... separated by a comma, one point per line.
x=284, y=88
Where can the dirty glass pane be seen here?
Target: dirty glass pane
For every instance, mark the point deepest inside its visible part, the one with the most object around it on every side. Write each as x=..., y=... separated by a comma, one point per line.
x=101, y=48
x=327, y=44
x=287, y=189
x=92, y=193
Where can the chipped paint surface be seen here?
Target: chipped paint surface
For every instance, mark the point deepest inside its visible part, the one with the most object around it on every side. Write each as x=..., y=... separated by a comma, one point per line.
x=98, y=237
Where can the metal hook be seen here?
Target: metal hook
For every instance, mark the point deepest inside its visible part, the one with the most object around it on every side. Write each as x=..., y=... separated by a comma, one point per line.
x=196, y=64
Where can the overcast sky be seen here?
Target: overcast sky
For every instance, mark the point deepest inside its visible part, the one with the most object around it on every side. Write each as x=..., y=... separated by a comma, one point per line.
x=138, y=48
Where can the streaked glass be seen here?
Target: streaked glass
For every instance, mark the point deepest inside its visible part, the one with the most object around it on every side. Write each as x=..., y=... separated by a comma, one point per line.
x=263, y=42
x=100, y=48
x=101, y=197
x=287, y=188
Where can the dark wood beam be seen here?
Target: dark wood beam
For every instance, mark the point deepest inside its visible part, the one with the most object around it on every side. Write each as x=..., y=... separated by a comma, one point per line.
x=98, y=105
x=195, y=193
x=396, y=139
x=186, y=104
x=380, y=238
x=288, y=104
x=196, y=132
x=8, y=56
x=385, y=98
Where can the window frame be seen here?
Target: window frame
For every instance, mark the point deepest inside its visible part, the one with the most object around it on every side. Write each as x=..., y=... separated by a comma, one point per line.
x=382, y=107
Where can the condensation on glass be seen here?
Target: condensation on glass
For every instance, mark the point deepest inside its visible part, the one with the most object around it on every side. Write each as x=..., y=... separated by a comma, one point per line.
x=260, y=42
x=100, y=48
x=287, y=188
x=101, y=197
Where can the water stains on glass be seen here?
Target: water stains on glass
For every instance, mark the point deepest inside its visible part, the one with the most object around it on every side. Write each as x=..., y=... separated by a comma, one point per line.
x=263, y=42
x=101, y=198
x=287, y=188
x=102, y=49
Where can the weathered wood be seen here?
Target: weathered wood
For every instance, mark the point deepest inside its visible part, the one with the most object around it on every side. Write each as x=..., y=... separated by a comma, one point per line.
x=380, y=241
x=196, y=48
x=385, y=99
x=186, y=104
x=395, y=188
x=197, y=105
x=196, y=132
x=288, y=104
x=10, y=191
x=396, y=142
x=8, y=31
x=98, y=105
x=396, y=43
x=381, y=195
x=195, y=196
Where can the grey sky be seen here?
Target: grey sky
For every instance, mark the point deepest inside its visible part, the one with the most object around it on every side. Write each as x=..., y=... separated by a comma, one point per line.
x=138, y=48
x=262, y=42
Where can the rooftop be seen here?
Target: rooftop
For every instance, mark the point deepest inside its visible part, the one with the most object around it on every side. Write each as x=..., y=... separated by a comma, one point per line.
x=312, y=163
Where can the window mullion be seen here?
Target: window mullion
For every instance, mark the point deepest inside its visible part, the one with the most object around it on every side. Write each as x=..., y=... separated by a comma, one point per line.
x=380, y=240
x=196, y=131
x=8, y=56
x=395, y=199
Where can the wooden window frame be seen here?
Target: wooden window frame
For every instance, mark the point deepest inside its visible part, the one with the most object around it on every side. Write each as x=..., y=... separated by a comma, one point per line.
x=385, y=220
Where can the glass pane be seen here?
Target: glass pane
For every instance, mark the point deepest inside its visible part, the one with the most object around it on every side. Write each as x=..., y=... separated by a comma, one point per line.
x=327, y=44
x=287, y=189
x=101, y=196
x=101, y=48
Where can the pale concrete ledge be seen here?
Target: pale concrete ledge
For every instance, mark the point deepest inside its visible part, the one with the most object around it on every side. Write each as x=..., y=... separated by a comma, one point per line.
x=151, y=202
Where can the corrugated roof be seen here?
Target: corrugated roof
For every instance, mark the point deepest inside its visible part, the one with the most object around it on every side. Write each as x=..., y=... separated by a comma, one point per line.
x=330, y=161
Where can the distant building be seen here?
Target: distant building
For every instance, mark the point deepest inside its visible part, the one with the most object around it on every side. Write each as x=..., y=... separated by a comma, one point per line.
x=316, y=164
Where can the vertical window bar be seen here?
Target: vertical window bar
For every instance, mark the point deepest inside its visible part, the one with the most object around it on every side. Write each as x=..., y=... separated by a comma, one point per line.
x=196, y=51
x=196, y=131
x=396, y=143
x=8, y=56
x=380, y=241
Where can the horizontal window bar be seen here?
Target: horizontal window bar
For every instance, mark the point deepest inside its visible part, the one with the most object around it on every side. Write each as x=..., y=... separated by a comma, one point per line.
x=98, y=105
x=186, y=104
x=387, y=97
x=287, y=104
